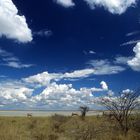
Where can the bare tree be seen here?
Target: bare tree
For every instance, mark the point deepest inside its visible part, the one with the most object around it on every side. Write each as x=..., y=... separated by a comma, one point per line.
x=84, y=110
x=122, y=106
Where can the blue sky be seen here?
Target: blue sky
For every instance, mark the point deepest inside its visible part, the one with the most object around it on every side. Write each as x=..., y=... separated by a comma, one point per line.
x=60, y=54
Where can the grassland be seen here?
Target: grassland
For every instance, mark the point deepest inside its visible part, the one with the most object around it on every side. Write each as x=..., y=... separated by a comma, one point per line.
x=60, y=127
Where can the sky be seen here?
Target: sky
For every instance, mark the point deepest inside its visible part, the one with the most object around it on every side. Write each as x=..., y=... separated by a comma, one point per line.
x=61, y=54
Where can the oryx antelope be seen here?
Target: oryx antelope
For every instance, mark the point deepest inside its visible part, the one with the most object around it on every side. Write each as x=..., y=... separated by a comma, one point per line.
x=108, y=114
x=29, y=115
x=74, y=114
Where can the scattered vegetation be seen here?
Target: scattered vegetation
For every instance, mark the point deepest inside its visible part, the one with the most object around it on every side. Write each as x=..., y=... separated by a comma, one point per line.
x=121, y=107
x=60, y=127
x=84, y=110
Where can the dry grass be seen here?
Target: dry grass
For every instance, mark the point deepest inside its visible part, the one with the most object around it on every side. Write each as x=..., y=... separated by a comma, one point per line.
x=59, y=127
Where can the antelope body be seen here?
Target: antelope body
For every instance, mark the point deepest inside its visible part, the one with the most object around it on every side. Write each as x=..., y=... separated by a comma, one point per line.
x=29, y=115
x=108, y=114
x=74, y=114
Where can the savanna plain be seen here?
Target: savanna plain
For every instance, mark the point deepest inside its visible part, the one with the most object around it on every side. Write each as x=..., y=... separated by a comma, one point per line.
x=59, y=127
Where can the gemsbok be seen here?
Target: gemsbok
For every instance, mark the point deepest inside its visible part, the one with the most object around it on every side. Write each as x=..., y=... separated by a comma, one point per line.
x=74, y=114
x=29, y=115
x=110, y=115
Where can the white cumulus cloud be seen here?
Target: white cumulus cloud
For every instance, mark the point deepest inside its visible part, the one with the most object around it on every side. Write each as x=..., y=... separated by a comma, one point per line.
x=45, y=78
x=42, y=79
x=134, y=63
x=104, y=85
x=12, y=25
x=65, y=95
x=16, y=94
x=113, y=6
x=13, y=91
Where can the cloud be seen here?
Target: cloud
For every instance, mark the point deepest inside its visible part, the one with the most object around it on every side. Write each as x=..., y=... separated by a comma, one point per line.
x=4, y=53
x=17, y=64
x=99, y=67
x=16, y=94
x=79, y=73
x=55, y=95
x=11, y=58
x=104, y=85
x=3, y=76
x=127, y=91
x=105, y=67
x=8, y=59
x=45, y=78
x=89, y=52
x=134, y=63
x=122, y=60
x=43, y=33
x=92, y=52
x=130, y=42
x=118, y=64
x=65, y=3
x=132, y=33
x=113, y=6
x=20, y=94
x=42, y=79
x=12, y=25
x=64, y=96
x=12, y=92
x=110, y=93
